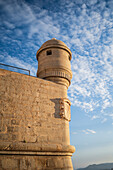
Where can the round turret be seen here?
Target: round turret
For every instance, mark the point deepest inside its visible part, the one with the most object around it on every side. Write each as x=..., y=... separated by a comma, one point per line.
x=54, y=62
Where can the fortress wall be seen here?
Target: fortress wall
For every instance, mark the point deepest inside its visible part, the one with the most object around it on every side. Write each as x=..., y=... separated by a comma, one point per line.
x=31, y=129
x=29, y=110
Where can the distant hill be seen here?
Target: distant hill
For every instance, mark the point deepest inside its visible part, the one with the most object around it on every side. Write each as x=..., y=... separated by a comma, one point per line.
x=104, y=166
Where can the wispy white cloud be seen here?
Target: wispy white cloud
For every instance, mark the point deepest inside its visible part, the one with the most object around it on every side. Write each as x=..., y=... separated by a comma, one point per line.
x=14, y=61
x=74, y=133
x=111, y=115
x=95, y=117
x=91, y=131
x=85, y=26
x=85, y=131
x=9, y=25
x=88, y=131
x=104, y=120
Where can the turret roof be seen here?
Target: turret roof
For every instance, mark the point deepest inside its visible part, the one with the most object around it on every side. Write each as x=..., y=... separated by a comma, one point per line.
x=53, y=43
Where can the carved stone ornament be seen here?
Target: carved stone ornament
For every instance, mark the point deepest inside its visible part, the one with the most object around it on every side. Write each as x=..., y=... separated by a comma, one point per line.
x=65, y=109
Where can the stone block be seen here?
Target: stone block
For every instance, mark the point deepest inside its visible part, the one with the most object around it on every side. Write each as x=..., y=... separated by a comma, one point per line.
x=6, y=137
x=50, y=163
x=14, y=122
x=23, y=164
x=30, y=138
x=9, y=164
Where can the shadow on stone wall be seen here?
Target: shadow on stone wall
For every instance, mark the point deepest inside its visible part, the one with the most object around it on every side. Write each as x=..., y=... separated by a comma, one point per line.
x=56, y=101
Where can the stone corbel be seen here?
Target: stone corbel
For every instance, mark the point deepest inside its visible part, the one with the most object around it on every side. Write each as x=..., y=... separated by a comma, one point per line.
x=65, y=112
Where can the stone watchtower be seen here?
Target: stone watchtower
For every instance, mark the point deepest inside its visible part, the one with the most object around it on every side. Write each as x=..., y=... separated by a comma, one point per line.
x=54, y=62
x=35, y=113
x=54, y=65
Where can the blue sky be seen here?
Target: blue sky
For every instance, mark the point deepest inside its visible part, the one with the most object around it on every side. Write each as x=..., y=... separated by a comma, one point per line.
x=86, y=26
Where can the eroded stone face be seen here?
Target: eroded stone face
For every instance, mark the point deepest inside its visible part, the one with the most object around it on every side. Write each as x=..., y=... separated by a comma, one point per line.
x=65, y=109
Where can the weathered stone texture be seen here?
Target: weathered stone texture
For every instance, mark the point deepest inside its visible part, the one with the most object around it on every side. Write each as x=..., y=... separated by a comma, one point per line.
x=30, y=120
x=19, y=162
x=30, y=109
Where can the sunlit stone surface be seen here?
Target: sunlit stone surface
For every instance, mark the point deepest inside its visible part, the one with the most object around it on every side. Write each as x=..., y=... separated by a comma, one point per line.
x=35, y=113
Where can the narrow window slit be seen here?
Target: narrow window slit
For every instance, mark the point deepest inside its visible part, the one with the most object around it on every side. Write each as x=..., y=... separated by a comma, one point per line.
x=49, y=52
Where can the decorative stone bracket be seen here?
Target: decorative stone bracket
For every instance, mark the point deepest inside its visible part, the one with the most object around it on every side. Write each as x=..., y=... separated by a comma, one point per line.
x=65, y=109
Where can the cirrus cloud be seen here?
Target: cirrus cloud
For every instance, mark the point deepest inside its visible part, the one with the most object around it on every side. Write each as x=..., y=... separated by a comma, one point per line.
x=87, y=29
x=88, y=131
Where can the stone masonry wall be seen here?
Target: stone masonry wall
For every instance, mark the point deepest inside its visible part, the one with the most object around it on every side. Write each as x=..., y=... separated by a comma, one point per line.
x=29, y=110
x=30, y=121
x=19, y=162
